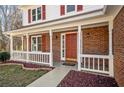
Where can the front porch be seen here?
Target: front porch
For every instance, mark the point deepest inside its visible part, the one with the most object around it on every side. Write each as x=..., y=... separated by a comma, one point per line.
x=94, y=60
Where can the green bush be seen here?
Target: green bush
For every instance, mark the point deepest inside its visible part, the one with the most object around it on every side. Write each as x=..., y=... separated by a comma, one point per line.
x=4, y=56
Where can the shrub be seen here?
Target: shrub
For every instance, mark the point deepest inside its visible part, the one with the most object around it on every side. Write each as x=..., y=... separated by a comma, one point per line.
x=4, y=56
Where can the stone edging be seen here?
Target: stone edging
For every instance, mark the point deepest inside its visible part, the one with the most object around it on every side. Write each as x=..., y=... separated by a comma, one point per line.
x=26, y=68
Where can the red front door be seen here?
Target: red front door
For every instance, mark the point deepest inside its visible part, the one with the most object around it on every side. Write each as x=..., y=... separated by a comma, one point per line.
x=71, y=47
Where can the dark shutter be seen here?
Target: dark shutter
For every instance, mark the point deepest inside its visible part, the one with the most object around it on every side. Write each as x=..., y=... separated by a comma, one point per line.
x=43, y=42
x=62, y=10
x=29, y=15
x=43, y=12
x=79, y=8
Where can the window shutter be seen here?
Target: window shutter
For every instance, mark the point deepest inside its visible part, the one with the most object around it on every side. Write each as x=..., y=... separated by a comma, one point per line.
x=43, y=42
x=62, y=10
x=29, y=15
x=79, y=8
x=29, y=43
x=43, y=12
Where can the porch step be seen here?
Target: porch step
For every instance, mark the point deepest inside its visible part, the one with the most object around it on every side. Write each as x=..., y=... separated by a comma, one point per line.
x=69, y=64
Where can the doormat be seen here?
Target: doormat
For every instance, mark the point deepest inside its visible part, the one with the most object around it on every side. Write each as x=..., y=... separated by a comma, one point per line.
x=68, y=64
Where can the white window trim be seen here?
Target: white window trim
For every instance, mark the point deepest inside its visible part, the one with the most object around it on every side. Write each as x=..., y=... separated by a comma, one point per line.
x=63, y=58
x=39, y=13
x=36, y=14
x=32, y=15
x=36, y=42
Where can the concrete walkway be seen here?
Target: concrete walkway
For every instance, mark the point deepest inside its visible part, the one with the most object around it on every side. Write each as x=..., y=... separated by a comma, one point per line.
x=52, y=78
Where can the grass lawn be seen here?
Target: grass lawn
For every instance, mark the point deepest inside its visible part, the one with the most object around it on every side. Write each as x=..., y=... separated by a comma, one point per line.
x=15, y=76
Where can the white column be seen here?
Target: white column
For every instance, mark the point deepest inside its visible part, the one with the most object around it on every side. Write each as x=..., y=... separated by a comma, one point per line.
x=111, y=67
x=22, y=43
x=11, y=46
x=79, y=47
x=51, y=52
x=27, y=36
x=81, y=42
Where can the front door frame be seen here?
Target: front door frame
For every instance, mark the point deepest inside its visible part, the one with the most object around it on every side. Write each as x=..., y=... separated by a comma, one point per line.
x=63, y=37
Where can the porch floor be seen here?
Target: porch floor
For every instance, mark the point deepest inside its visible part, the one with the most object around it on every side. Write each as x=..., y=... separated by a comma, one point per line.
x=54, y=77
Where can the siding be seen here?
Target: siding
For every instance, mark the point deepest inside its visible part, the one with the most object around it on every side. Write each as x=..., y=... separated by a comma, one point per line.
x=53, y=12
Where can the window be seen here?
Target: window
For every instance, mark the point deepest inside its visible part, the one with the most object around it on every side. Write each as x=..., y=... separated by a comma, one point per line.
x=34, y=15
x=39, y=13
x=63, y=47
x=70, y=8
x=36, y=43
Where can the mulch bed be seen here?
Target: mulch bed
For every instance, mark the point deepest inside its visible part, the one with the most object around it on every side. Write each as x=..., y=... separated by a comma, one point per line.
x=82, y=79
x=28, y=65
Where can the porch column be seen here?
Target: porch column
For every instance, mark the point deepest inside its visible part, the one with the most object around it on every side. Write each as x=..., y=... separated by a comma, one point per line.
x=27, y=36
x=111, y=67
x=51, y=52
x=79, y=47
x=22, y=43
x=11, y=46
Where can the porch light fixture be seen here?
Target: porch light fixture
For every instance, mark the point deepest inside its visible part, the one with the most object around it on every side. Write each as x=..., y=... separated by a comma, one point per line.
x=88, y=35
x=56, y=36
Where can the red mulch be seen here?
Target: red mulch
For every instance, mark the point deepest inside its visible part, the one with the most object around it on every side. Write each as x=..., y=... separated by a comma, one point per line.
x=28, y=65
x=82, y=79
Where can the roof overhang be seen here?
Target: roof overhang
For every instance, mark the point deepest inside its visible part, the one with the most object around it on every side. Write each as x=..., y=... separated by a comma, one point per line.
x=83, y=16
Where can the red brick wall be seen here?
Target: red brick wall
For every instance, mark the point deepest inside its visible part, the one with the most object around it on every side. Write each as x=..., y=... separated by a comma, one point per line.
x=45, y=42
x=95, y=40
x=118, y=35
x=56, y=47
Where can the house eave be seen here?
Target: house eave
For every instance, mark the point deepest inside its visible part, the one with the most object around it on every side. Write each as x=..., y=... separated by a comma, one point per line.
x=60, y=21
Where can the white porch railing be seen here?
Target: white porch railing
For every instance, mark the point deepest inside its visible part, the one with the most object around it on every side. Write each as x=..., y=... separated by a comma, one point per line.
x=96, y=63
x=36, y=57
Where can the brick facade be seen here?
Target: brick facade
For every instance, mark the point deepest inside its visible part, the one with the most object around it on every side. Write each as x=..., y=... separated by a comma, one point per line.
x=45, y=42
x=96, y=40
x=56, y=47
x=118, y=35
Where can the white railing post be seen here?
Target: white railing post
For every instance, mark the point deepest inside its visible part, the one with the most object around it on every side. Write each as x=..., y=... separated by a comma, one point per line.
x=27, y=58
x=111, y=67
x=51, y=52
x=79, y=47
x=11, y=46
